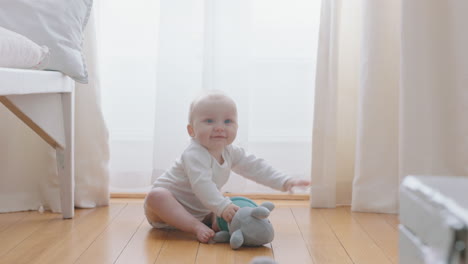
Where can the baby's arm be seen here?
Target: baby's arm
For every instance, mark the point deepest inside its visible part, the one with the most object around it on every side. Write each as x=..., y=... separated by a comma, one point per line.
x=295, y=182
x=259, y=170
x=208, y=193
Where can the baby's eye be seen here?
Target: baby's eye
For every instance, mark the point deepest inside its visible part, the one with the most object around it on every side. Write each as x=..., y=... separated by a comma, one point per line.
x=227, y=121
x=209, y=121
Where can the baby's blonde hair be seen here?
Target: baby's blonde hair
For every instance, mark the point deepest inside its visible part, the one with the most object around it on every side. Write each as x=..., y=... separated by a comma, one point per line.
x=206, y=94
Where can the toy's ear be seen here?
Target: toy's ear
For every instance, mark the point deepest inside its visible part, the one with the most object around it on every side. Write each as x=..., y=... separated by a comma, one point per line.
x=260, y=212
x=268, y=205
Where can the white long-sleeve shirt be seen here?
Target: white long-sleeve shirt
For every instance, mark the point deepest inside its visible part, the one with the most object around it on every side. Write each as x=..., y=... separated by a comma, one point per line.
x=196, y=178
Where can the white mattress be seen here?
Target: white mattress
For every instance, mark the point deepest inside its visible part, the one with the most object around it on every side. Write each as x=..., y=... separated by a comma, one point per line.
x=19, y=81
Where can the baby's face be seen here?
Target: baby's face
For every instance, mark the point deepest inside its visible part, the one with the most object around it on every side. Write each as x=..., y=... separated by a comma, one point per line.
x=214, y=123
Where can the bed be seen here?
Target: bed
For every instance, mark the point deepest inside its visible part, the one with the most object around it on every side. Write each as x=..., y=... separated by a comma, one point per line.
x=44, y=101
x=40, y=59
x=433, y=220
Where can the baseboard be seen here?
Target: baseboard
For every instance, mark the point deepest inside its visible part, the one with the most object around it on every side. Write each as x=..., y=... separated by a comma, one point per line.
x=254, y=196
x=270, y=196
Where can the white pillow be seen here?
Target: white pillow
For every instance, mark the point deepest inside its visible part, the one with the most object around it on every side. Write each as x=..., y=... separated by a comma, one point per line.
x=17, y=51
x=57, y=24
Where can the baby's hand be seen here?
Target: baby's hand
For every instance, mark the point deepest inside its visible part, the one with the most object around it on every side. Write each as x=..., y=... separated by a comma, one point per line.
x=229, y=212
x=294, y=182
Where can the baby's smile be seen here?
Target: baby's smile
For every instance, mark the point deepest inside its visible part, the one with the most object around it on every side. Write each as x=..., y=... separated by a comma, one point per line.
x=218, y=137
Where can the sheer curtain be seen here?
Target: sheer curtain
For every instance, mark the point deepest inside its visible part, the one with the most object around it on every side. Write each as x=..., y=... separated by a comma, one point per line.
x=260, y=52
x=390, y=99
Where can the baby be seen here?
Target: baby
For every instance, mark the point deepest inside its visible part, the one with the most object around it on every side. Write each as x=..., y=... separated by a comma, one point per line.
x=188, y=196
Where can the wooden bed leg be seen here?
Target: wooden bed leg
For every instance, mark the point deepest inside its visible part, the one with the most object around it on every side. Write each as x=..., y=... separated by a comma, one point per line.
x=65, y=158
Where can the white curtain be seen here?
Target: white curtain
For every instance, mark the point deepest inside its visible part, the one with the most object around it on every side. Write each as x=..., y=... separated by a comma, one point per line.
x=391, y=99
x=260, y=52
x=91, y=134
x=28, y=169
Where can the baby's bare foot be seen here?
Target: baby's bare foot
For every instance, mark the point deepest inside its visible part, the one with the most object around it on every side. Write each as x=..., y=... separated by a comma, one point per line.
x=204, y=233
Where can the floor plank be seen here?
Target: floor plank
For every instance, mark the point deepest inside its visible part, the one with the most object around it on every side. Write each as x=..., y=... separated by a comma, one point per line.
x=48, y=233
x=383, y=234
x=324, y=246
x=145, y=245
x=73, y=244
x=179, y=248
x=289, y=245
x=392, y=220
x=222, y=253
x=246, y=254
x=360, y=247
x=9, y=219
x=22, y=229
x=215, y=253
x=110, y=243
x=120, y=234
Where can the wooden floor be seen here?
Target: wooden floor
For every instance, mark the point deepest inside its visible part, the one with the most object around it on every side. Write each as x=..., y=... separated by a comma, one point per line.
x=120, y=234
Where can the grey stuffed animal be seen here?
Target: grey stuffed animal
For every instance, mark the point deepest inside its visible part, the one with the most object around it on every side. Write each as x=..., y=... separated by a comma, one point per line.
x=249, y=227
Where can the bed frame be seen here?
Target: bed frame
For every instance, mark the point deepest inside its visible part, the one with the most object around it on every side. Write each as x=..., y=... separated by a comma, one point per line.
x=44, y=101
x=433, y=219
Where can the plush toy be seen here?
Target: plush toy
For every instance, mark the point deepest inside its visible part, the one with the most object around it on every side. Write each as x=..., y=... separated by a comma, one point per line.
x=263, y=260
x=249, y=226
